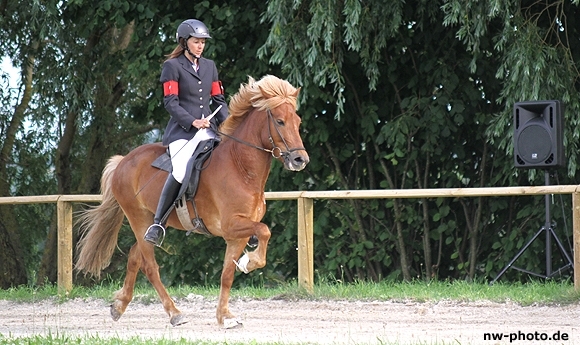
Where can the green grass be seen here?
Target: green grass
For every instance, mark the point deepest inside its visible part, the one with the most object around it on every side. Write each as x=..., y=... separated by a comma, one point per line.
x=536, y=292
x=96, y=340
x=550, y=292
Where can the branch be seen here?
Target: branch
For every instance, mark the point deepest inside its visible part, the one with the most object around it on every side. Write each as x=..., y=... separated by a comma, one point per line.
x=17, y=117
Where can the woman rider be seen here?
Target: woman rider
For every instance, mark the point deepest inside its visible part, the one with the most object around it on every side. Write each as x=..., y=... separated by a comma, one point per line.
x=190, y=84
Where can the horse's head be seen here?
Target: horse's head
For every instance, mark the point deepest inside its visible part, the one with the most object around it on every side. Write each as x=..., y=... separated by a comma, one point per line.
x=275, y=99
x=284, y=135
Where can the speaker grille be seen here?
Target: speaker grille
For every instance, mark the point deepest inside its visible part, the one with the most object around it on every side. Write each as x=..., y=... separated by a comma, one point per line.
x=535, y=144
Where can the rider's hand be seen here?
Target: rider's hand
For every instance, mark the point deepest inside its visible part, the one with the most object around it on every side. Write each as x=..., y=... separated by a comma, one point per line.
x=200, y=123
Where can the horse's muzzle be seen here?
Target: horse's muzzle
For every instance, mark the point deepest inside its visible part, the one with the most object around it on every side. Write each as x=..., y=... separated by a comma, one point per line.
x=296, y=161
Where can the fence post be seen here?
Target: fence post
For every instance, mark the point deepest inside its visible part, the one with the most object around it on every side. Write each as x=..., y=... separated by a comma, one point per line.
x=64, y=249
x=576, y=237
x=306, y=243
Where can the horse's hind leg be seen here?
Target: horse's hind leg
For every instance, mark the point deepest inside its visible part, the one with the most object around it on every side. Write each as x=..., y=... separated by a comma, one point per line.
x=150, y=267
x=142, y=256
x=125, y=295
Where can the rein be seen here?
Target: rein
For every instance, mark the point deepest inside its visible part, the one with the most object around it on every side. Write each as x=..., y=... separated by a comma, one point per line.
x=275, y=151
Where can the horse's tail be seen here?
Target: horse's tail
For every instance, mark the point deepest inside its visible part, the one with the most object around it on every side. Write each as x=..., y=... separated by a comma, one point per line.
x=99, y=227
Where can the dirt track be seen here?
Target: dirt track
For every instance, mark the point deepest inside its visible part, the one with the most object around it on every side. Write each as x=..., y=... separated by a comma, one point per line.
x=304, y=322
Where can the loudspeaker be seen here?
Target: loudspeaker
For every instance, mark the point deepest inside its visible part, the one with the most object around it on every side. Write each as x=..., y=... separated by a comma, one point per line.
x=538, y=134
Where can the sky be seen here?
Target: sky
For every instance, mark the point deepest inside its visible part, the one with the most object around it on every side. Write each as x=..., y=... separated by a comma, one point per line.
x=6, y=66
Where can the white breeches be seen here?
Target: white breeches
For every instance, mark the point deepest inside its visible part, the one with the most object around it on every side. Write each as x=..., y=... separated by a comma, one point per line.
x=182, y=149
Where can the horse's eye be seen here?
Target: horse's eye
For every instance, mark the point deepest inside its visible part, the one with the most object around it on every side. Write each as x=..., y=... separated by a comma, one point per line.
x=280, y=122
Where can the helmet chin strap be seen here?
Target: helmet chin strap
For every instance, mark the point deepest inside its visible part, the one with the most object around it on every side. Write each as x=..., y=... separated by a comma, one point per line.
x=190, y=53
x=195, y=56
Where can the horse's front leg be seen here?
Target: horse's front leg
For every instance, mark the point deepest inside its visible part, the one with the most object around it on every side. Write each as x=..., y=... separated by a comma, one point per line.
x=257, y=258
x=236, y=237
x=233, y=250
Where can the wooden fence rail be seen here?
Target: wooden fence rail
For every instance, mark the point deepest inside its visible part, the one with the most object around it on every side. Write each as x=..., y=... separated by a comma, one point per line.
x=305, y=215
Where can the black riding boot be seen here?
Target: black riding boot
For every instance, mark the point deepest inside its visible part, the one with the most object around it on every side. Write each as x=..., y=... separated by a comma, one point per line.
x=166, y=199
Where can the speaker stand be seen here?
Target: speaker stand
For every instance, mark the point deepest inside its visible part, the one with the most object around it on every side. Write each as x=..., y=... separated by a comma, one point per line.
x=549, y=235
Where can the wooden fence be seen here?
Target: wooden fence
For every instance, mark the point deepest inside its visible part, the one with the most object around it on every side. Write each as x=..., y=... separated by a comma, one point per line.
x=305, y=215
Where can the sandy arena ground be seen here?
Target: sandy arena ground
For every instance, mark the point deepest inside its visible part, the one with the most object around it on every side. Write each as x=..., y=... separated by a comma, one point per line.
x=304, y=322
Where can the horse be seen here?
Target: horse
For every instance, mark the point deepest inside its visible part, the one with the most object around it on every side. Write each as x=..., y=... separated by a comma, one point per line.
x=262, y=125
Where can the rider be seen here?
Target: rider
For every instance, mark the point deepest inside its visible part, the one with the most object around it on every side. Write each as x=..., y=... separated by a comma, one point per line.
x=190, y=84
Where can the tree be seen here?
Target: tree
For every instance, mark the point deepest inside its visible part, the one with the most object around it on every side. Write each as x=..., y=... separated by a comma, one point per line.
x=21, y=28
x=96, y=80
x=394, y=95
x=414, y=107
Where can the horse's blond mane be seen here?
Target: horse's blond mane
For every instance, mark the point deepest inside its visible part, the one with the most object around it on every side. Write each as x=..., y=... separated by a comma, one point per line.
x=267, y=93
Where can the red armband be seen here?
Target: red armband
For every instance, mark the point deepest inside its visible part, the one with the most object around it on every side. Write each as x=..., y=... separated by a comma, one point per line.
x=170, y=88
x=217, y=88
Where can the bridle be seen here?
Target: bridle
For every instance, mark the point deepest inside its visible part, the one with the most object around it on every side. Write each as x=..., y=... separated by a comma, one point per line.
x=275, y=151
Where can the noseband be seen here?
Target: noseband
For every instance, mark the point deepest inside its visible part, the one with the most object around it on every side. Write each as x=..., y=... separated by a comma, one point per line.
x=275, y=151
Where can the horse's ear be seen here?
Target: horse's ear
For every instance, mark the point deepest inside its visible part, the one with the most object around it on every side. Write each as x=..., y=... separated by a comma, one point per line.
x=297, y=92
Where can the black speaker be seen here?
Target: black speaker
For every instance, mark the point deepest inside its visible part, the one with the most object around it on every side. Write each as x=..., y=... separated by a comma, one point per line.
x=539, y=134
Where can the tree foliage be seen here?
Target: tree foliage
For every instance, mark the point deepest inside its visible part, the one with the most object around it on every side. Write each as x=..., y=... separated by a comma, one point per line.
x=395, y=94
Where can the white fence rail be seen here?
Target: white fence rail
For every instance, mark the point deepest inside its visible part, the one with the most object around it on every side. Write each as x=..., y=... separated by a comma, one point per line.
x=305, y=218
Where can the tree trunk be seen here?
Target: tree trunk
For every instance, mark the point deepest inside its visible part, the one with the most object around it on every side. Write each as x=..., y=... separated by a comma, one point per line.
x=13, y=268
x=426, y=223
x=357, y=231
x=109, y=97
x=47, y=271
x=473, y=241
x=399, y=226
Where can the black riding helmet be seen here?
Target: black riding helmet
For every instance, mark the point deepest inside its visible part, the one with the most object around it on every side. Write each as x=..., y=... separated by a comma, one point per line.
x=192, y=28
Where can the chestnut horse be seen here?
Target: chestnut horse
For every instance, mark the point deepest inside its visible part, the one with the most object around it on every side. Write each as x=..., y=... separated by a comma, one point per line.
x=262, y=125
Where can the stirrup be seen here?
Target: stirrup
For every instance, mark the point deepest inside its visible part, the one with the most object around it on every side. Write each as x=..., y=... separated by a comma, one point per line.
x=157, y=243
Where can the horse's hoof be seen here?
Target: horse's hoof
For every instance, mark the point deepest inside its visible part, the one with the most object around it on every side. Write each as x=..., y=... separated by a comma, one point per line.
x=115, y=314
x=178, y=320
x=233, y=324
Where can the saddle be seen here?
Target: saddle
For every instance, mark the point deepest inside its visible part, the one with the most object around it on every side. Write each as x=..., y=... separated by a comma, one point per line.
x=189, y=186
